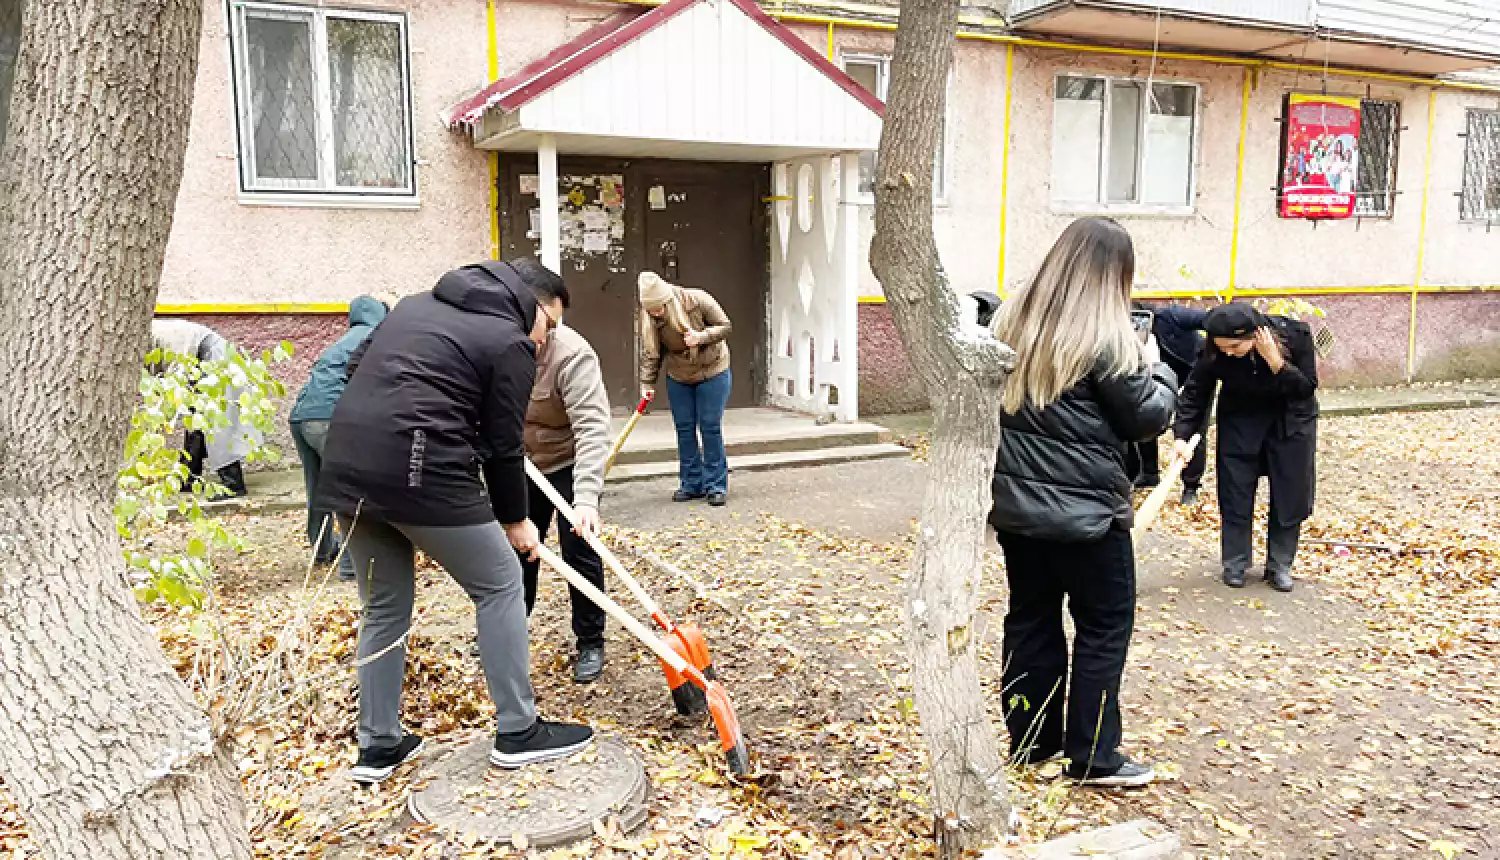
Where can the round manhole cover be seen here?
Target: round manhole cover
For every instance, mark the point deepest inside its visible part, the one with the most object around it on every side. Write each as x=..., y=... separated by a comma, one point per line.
x=551, y=804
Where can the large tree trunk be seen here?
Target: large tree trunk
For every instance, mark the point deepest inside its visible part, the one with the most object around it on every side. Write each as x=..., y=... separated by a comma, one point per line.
x=965, y=375
x=100, y=742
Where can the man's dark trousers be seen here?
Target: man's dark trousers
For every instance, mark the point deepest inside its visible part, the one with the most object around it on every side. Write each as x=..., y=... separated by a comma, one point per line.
x=588, y=619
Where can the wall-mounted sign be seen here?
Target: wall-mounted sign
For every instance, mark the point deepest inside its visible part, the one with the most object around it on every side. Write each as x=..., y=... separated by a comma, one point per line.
x=1320, y=156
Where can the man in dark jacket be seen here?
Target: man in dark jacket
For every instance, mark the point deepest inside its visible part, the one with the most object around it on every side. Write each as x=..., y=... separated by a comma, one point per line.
x=437, y=395
x=313, y=413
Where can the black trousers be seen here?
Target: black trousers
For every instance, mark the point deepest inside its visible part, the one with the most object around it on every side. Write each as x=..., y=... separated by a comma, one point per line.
x=1098, y=580
x=588, y=619
x=195, y=451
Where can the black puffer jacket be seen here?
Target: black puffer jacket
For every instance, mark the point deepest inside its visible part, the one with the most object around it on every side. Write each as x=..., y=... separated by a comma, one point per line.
x=1060, y=473
x=437, y=394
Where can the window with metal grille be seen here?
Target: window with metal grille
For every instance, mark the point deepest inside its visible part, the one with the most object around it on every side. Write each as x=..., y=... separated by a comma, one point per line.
x=1375, y=183
x=323, y=99
x=10, y=46
x=1480, y=198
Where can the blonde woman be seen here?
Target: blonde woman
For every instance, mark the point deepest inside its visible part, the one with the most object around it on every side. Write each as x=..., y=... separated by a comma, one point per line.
x=1084, y=388
x=682, y=333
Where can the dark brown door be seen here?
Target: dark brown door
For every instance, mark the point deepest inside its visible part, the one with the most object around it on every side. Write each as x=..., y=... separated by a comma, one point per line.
x=705, y=227
x=599, y=256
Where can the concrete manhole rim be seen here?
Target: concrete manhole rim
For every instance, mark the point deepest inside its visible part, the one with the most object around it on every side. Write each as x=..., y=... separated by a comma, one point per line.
x=629, y=810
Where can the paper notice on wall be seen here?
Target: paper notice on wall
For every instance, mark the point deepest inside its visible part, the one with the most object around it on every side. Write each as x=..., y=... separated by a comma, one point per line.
x=535, y=230
x=611, y=191
x=530, y=184
x=595, y=219
x=657, y=197
x=595, y=241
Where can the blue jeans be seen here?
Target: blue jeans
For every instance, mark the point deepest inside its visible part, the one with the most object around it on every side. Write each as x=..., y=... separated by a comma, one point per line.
x=698, y=410
x=310, y=437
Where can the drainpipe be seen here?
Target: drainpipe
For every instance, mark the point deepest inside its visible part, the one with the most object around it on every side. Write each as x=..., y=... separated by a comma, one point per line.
x=546, y=161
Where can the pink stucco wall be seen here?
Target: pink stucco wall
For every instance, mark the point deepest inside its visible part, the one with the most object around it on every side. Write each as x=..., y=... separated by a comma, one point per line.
x=225, y=250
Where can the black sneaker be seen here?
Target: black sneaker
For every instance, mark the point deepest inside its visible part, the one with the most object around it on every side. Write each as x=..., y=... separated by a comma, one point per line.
x=590, y=665
x=1234, y=578
x=685, y=496
x=1189, y=497
x=1129, y=775
x=376, y=764
x=544, y=741
x=718, y=500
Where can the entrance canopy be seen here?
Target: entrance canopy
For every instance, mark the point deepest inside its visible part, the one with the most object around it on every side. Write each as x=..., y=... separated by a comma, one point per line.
x=708, y=80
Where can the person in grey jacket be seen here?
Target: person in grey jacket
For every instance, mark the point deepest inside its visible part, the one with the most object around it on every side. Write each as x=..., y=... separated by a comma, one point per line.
x=568, y=438
x=313, y=413
x=1084, y=387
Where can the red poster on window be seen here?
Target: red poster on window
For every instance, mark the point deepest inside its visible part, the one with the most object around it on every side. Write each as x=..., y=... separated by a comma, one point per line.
x=1322, y=156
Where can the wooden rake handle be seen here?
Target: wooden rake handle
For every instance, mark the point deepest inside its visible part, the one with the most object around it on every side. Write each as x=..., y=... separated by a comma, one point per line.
x=1152, y=506
x=614, y=450
x=567, y=512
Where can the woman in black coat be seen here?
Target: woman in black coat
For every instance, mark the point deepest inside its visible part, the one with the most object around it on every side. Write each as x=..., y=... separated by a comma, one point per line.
x=1083, y=389
x=1267, y=373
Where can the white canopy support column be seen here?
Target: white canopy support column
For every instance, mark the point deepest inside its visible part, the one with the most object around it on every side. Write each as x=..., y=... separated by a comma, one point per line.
x=853, y=259
x=546, y=159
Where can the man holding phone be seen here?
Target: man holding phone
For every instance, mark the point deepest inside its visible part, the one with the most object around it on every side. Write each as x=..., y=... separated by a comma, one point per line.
x=1178, y=334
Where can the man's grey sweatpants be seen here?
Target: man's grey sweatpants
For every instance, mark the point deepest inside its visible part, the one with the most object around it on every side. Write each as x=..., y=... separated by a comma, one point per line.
x=481, y=561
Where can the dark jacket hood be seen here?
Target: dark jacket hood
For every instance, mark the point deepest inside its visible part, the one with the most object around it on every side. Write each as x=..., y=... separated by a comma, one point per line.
x=366, y=310
x=492, y=288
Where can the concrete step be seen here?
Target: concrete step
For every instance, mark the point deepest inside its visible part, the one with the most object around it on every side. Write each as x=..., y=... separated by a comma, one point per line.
x=765, y=462
x=743, y=441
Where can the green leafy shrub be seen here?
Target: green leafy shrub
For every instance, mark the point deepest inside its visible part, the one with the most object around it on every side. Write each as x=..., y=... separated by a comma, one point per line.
x=178, y=394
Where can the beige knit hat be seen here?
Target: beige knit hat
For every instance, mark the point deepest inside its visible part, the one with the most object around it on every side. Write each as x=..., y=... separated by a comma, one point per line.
x=655, y=292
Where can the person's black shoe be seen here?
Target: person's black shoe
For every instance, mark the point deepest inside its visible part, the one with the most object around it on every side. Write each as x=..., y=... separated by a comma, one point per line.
x=1280, y=580
x=718, y=500
x=590, y=665
x=544, y=741
x=1129, y=775
x=376, y=764
x=1189, y=497
x=685, y=496
x=1234, y=578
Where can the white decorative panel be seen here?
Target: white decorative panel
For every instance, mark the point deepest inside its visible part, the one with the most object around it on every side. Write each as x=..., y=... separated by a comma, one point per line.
x=814, y=289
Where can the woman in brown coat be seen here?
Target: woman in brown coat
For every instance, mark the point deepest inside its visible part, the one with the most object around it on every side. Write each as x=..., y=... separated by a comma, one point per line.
x=683, y=332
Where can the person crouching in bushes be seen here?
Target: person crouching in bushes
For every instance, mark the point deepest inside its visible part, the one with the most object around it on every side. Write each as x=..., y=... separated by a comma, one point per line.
x=1084, y=387
x=1266, y=370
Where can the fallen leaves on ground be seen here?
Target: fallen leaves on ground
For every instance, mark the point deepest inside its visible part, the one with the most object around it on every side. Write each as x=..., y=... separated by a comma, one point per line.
x=1357, y=717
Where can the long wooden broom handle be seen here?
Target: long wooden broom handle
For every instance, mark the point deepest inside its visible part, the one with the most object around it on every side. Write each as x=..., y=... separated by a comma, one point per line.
x=626, y=620
x=1154, y=502
x=567, y=512
x=614, y=450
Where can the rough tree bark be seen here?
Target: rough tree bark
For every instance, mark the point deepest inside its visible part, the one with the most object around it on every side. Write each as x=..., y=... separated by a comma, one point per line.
x=965, y=376
x=101, y=744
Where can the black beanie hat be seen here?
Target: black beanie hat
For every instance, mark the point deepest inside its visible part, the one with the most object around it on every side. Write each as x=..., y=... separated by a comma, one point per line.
x=1234, y=320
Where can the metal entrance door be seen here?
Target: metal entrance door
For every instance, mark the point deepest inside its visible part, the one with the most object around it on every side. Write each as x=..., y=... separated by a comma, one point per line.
x=705, y=227
x=599, y=260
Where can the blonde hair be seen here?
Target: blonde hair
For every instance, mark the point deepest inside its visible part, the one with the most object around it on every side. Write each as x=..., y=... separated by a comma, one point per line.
x=676, y=317
x=1074, y=316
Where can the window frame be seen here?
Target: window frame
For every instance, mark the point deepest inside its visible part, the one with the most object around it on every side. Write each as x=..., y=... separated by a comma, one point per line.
x=1394, y=158
x=883, y=82
x=1104, y=207
x=324, y=191
x=1488, y=216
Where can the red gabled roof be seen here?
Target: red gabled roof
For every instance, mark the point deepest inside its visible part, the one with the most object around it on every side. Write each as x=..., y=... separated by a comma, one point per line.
x=577, y=54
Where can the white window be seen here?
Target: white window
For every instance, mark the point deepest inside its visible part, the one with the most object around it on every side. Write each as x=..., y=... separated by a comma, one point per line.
x=324, y=101
x=1480, y=198
x=1114, y=147
x=1375, y=182
x=874, y=74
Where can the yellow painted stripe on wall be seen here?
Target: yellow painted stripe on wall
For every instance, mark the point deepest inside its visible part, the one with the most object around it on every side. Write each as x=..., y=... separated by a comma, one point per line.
x=253, y=308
